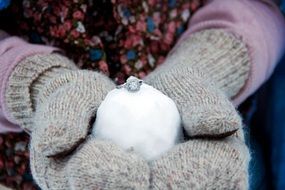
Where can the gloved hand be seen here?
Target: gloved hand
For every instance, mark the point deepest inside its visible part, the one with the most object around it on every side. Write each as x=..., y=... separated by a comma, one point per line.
x=95, y=164
x=200, y=74
x=62, y=165
x=203, y=164
x=55, y=102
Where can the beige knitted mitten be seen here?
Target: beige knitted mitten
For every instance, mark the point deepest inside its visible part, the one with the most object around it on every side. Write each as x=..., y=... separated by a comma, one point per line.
x=203, y=164
x=200, y=75
x=55, y=102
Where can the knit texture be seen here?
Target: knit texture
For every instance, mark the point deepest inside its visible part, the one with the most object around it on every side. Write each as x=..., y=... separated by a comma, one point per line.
x=261, y=27
x=199, y=75
x=56, y=102
x=13, y=50
x=94, y=165
x=66, y=106
x=63, y=120
x=27, y=79
x=203, y=164
x=63, y=154
x=222, y=57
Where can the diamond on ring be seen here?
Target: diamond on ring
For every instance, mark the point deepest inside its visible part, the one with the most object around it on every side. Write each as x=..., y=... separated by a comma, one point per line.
x=132, y=84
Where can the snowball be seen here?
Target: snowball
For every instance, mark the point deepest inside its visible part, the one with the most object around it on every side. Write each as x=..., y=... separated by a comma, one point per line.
x=146, y=121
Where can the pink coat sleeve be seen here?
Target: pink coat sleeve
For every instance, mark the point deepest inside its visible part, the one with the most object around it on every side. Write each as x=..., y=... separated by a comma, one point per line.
x=259, y=23
x=12, y=51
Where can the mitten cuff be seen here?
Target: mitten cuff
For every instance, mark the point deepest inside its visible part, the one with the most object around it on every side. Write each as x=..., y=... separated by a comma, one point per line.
x=25, y=82
x=221, y=56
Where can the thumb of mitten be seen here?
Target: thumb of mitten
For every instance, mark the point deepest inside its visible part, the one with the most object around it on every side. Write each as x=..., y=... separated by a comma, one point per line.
x=66, y=107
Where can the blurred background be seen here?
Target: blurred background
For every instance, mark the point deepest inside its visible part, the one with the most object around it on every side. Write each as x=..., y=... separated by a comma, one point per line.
x=266, y=133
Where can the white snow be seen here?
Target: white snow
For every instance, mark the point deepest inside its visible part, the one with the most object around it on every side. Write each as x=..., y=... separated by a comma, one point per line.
x=146, y=121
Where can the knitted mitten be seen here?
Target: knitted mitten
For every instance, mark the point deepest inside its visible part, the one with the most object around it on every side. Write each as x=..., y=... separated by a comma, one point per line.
x=55, y=102
x=203, y=164
x=200, y=75
x=27, y=80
